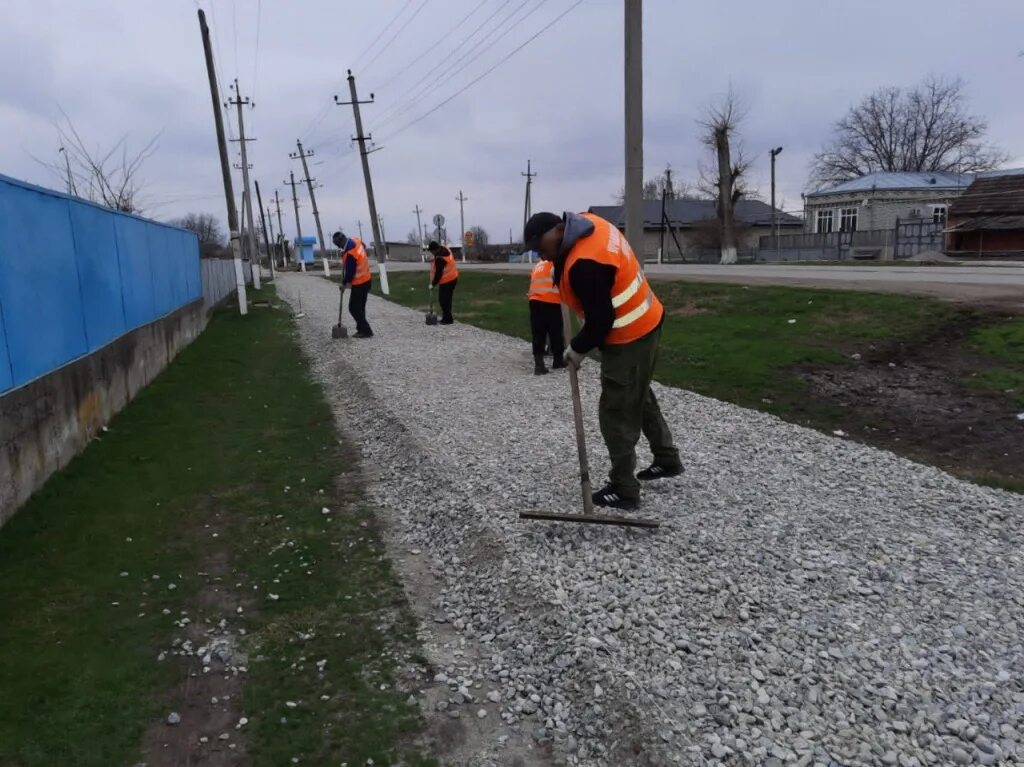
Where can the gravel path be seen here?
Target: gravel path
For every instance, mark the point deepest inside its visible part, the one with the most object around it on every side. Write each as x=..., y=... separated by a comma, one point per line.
x=807, y=600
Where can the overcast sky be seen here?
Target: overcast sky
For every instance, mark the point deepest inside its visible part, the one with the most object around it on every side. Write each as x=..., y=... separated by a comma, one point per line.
x=136, y=67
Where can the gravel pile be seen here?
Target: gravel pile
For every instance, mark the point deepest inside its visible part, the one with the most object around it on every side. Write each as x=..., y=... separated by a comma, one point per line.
x=807, y=600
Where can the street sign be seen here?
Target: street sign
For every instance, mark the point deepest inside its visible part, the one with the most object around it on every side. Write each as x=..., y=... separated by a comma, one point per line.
x=438, y=220
x=467, y=239
x=437, y=235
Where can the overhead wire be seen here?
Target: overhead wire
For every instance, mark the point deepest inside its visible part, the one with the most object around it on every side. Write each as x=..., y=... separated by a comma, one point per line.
x=408, y=21
x=468, y=58
x=480, y=77
x=416, y=59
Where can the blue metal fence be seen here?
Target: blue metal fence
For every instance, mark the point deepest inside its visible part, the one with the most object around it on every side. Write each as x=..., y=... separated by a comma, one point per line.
x=74, y=276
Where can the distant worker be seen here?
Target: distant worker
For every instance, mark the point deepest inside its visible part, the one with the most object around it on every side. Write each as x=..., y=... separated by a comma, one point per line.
x=601, y=280
x=355, y=275
x=545, y=317
x=444, y=275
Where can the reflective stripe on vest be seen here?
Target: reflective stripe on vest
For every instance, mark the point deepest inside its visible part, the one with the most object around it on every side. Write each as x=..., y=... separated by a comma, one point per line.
x=637, y=310
x=362, y=275
x=542, y=285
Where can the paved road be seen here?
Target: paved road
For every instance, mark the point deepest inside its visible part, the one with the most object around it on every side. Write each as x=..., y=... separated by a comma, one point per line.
x=1000, y=286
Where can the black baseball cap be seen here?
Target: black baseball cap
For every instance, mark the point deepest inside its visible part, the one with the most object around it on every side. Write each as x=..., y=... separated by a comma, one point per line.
x=538, y=225
x=433, y=247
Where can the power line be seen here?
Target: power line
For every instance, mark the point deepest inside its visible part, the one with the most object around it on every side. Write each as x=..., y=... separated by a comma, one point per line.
x=380, y=34
x=473, y=82
x=234, y=27
x=455, y=70
x=395, y=36
x=416, y=59
x=441, y=63
x=220, y=73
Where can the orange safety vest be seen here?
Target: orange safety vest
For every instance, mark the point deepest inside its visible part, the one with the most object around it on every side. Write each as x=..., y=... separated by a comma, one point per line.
x=542, y=286
x=451, y=271
x=637, y=310
x=362, y=275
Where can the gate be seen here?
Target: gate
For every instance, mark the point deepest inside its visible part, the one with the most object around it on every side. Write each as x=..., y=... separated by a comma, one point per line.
x=913, y=237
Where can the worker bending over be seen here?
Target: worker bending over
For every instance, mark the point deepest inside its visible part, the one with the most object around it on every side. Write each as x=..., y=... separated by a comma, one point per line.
x=545, y=317
x=600, y=279
x=444, y=275
x=355, y=275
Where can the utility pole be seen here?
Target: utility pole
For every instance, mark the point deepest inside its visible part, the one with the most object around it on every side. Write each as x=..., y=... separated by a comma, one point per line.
x=364, y=155
x=263, y=222
x=273, y=237
x=300, y=155
x=225, y=167
x=528, y=205
x=239, y=102
x=462, y=223
x=360, y=225
x=775, y=217
x=419, y=228
x=634, y=79
x=67, y=165
x=280, y=231
x=383, y=234
x=298, y=223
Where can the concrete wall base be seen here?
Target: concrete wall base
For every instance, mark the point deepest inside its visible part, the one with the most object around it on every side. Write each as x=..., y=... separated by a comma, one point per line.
x=47, y=422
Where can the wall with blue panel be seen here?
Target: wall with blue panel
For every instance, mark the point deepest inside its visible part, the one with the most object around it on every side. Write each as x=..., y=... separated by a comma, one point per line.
x=74, y=276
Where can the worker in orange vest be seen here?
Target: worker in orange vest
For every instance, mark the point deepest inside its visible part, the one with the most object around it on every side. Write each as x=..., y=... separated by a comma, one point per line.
x=444, y=275
x=355, y=275
x=545, y=317
x=599, y=277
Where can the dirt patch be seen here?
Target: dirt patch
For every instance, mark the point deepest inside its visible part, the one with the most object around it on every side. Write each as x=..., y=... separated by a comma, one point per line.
x=687, y=310
x=912, y=399
x=205, y=647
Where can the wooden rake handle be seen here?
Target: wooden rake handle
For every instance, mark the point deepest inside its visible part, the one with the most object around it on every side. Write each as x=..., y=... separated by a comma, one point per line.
x=577, y=412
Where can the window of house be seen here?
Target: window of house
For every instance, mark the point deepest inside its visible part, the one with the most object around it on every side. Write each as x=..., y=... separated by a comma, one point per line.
x=824, y=222
x=848, y=220
x=939, y=214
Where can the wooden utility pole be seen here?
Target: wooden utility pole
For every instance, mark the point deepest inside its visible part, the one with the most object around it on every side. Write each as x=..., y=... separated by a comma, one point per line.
x=225, y=167
x=364, y=155
x=528, y=205
x=239, y=102
x=462, y=223
x=263, y=222
x=280, y=231
x=300, y=155
x=634, y=79
x=298, y=223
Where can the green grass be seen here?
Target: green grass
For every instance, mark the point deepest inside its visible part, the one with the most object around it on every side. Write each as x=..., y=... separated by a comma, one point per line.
x=730, y=342
x=208, y=447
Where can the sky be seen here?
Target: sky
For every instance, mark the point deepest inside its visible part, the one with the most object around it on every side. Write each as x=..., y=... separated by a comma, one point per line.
x=135, y=68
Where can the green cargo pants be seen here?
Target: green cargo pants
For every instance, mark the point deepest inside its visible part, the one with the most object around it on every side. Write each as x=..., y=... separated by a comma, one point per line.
x=628, y=407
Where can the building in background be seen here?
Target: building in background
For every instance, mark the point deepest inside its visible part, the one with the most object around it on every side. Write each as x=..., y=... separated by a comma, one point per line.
x=878, y=201
x=988, y=218
x=695, y=225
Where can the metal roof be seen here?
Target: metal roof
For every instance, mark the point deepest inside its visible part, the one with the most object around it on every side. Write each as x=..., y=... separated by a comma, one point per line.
x=899, y=181
x=998, y=195
x=686, y=213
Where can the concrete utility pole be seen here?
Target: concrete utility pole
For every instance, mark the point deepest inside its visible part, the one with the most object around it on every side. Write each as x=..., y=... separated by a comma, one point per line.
x=462, y=223
x=419, y=228
x=298, y=223
x=364, y=155
x=263, y=222
x=273, y=237
x=634, y=127
x=360, y=225
x=67, y=165
x=383, y=234
x=775, y=217
x=225, y=167
x=300, y=155
x=239, y=102
x=528, y=205
x=280, y=231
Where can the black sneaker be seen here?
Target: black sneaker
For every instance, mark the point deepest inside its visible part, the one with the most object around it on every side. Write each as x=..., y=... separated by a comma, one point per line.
x=610, y=497
x=657, y=471
x=361, y=334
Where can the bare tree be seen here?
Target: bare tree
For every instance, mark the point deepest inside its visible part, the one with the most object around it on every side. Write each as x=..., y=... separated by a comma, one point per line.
x=480, y=238
x=110, y=177
x=413, y=238
x=653, y=188
x=924, y=128
x=726, y=180
x=206, y=227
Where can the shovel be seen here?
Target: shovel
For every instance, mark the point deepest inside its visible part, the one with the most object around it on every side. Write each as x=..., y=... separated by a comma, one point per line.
x=588, y=515
x=431, y=317
x=339, y=330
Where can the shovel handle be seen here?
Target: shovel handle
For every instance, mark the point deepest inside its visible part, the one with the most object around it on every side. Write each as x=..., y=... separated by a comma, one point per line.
x=577, y=413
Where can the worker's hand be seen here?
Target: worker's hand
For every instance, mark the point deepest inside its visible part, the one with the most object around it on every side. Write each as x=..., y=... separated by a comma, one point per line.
x=573, y=358
x=430, y=287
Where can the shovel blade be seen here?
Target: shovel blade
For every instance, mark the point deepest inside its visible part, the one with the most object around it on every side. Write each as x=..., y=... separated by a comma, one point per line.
x=431, y=319
x=339, y=331
x=595, y=519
